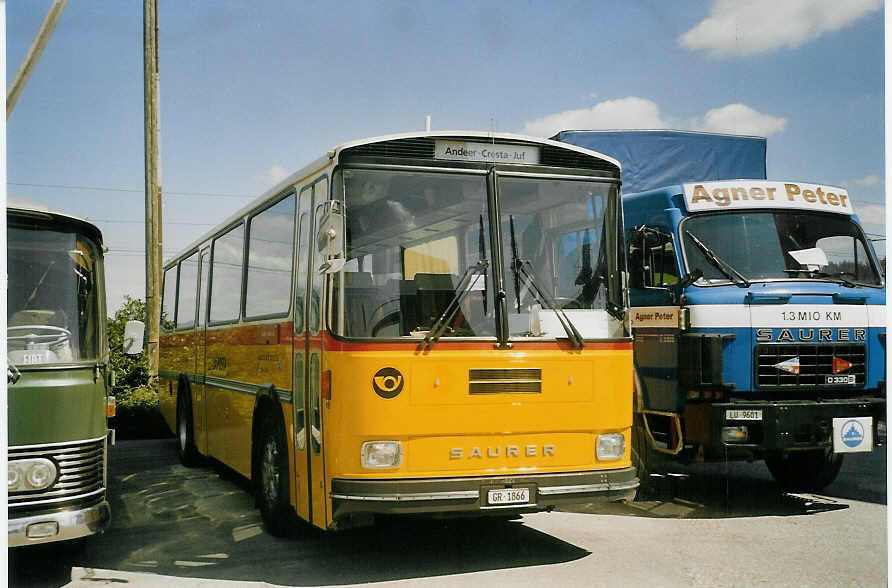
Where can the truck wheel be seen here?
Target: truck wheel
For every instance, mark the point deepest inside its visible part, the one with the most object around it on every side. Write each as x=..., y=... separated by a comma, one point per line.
x=185, y=433
x=272, y=488
x=806, y=471
x=642, y=456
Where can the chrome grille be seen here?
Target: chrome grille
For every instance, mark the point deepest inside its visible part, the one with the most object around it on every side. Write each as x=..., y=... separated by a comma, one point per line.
x=505, y=381
x=81, y=474
x=815, y=363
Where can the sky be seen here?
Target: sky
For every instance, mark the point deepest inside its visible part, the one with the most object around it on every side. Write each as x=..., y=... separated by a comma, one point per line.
x=252, y=91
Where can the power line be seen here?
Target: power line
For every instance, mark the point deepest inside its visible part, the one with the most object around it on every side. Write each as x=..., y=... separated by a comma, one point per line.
x=140, y=222
x=130, y=190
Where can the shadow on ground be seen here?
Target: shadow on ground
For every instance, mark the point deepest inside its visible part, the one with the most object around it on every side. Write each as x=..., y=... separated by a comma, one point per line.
x=740, y=489
x=201, y=522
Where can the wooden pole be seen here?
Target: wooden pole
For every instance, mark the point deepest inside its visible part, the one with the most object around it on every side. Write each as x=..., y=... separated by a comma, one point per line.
x=33, y=55
x=153, y=184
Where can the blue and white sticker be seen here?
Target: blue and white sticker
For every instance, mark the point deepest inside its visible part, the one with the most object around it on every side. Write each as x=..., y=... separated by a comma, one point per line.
x=852, y=435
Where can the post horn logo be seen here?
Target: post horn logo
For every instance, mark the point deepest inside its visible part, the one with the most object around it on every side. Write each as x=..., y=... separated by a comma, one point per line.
x=387, y=382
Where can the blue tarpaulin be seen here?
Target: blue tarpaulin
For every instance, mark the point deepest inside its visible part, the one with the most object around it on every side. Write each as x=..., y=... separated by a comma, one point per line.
x=652, y=159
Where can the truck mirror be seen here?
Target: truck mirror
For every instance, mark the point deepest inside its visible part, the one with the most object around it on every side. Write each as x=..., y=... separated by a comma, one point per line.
x=133, y=337
x=690, y=278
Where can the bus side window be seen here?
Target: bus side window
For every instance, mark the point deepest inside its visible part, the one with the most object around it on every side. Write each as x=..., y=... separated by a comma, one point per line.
x=186, y=296
x=226, y=276
x=169, y=299
x=270, y=254
x=303, y=248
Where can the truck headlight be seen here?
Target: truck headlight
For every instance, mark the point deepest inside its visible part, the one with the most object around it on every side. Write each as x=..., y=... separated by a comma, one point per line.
x=611, y=446
x=31, y=474
x=381, y=454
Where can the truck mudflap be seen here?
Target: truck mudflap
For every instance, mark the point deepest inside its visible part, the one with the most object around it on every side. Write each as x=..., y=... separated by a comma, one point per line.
x=478, y=495
x=754, y=428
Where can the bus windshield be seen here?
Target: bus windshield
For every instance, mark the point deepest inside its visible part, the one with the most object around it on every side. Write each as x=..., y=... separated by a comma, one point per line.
x=778, y=246
x=419, y=244
x=52, y=310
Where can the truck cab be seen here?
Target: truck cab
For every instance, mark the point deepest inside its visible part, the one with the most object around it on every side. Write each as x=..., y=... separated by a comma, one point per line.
x=759, y=320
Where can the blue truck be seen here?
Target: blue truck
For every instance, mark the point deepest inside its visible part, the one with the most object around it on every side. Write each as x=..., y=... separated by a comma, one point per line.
x=757, y=308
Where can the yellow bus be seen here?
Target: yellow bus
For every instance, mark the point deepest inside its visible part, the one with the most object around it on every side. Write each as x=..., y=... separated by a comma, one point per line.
x=427, y=323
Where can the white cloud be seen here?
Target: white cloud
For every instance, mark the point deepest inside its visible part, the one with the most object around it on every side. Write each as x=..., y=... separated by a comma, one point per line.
x=871, y=180
x=623, y=113
x=741, y=119
x=640, y=113
x=736, y=28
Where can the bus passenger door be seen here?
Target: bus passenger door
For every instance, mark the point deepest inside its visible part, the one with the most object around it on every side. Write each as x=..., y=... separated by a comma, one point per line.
x=200, y=389
x=301, y=479
x=315, y=329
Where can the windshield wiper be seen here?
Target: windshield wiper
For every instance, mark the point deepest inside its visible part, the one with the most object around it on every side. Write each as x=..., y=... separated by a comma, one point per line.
x=722, y=265
x=834, y=276
x=462, y=291
x=521, y=269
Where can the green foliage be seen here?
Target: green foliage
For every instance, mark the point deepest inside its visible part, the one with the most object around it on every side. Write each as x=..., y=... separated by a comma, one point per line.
x=131, y=371
x=137, y=400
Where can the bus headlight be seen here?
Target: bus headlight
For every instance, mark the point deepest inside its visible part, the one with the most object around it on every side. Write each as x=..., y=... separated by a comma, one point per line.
x=31, y=474
x=611, y=446
x=381, y=454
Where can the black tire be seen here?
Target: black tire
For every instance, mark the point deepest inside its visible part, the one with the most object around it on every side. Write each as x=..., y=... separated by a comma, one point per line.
x=273, y=492
x=642, y=456
x=805, y=471
x=185, y=433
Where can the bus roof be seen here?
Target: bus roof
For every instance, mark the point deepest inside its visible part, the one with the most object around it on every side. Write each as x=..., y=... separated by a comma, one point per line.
x=24, y=205
x=332, y=156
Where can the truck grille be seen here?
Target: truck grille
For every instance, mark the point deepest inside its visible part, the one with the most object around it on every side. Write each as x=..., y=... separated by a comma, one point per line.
x=815, y=364
x=80, y=480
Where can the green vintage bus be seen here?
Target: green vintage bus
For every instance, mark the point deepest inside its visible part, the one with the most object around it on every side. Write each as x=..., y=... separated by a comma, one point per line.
x=58, y=376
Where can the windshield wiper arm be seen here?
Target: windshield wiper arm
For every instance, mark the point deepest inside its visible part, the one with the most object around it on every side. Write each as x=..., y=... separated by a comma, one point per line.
x=520, y=267
x=722, y=265
x=12, y=373
x=462, y=291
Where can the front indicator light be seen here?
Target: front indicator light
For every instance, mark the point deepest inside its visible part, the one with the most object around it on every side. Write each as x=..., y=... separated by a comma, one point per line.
x=611, y=446
x=381, y=454
x=735, y=434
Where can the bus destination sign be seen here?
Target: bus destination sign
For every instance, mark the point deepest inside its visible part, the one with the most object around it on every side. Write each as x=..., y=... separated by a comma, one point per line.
x=491, y=152
x=726, y=195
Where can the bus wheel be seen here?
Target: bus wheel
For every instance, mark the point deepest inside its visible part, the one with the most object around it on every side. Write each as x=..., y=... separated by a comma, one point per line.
x=642, y=456
x=272, y=487
x=185, y=433
x=806, y=471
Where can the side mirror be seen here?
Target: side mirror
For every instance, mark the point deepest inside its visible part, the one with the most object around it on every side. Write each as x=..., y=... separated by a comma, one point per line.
x=330, y=234
x=133, y=337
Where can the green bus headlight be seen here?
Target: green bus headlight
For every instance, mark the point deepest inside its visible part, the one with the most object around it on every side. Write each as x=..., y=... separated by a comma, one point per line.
x=31, y=474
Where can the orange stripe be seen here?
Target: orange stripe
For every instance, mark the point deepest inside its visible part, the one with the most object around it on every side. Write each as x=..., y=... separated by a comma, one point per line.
x=332, y=344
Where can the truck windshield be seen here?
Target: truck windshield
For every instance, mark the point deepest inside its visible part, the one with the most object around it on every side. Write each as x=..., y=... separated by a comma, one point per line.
x=418, y=245
x=52, y=310
x=780, y=246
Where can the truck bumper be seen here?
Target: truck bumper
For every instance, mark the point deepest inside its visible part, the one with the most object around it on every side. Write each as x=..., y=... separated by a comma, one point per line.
x=782, y=426
x=59, y=526
x=470, y=495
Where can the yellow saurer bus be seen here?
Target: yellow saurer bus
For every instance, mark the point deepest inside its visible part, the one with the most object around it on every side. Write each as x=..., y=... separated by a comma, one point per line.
x=427, y=323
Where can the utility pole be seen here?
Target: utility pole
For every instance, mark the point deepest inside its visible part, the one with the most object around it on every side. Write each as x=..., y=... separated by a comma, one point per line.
x=33, y=55
x=153, y=184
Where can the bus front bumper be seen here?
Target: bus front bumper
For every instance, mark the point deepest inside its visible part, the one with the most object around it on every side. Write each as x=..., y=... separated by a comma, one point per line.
x=59, y=526
x=475, y=495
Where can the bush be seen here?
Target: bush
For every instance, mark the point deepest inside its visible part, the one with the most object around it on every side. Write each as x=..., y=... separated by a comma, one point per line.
x=136, y=414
